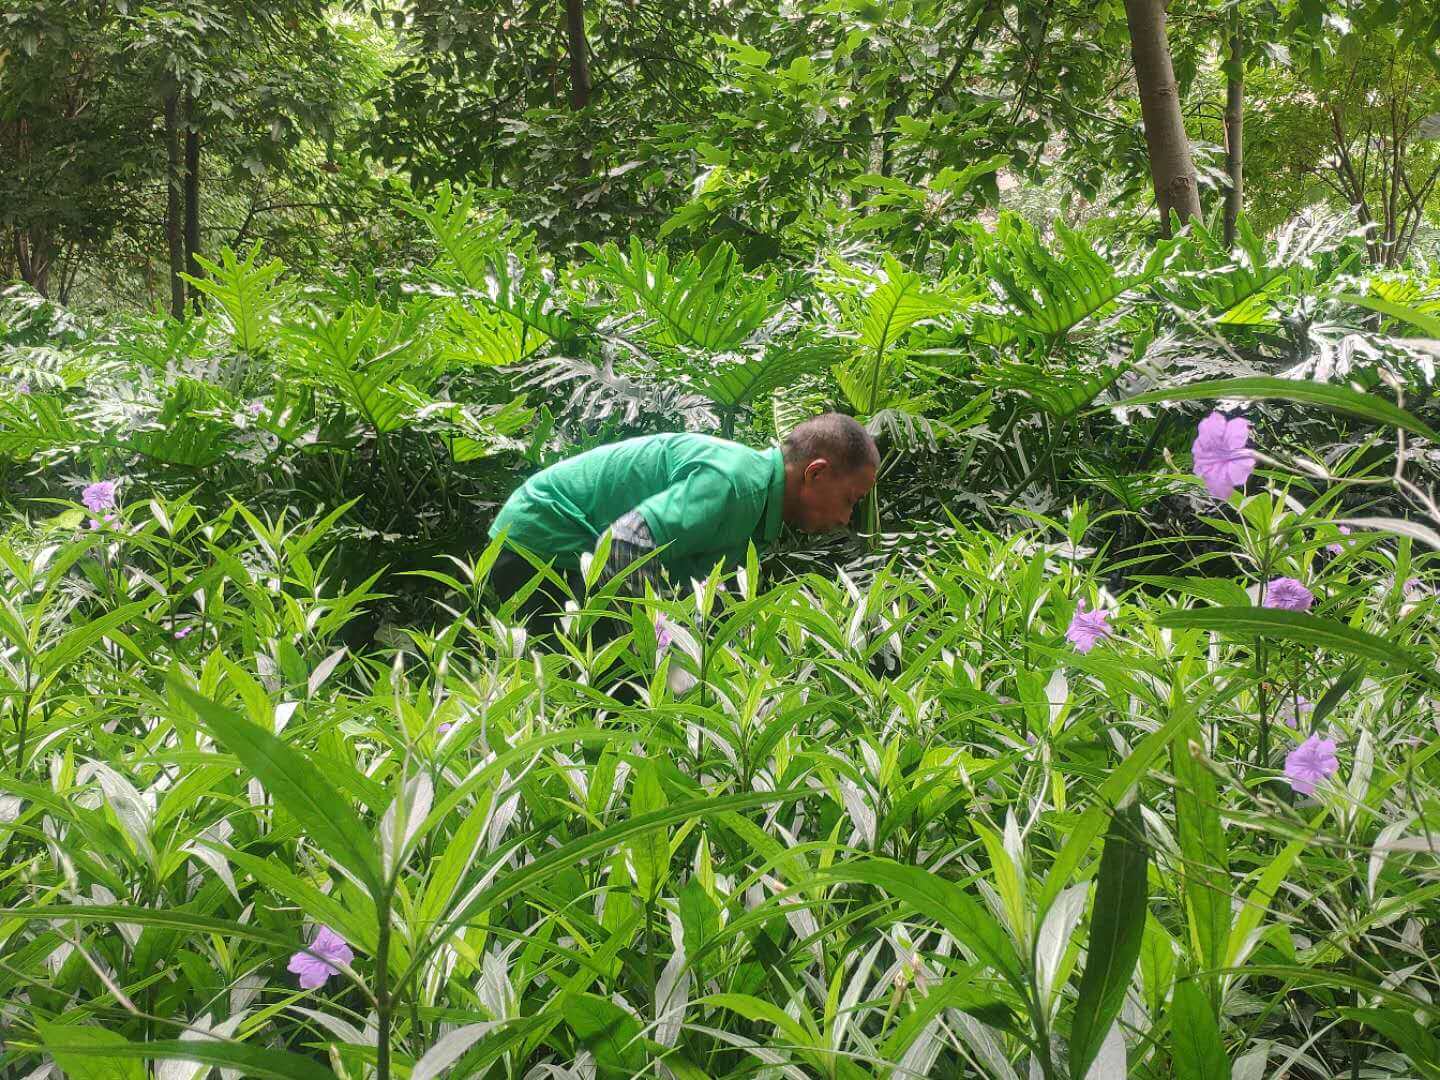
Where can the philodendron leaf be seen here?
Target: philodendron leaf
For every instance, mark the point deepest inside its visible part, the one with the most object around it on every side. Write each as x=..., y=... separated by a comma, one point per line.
x=1117, y=927
x=297, y=783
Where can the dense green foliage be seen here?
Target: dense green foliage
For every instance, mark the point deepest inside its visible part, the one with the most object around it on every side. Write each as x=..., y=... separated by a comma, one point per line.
x=881, y=819
x=1103, y=746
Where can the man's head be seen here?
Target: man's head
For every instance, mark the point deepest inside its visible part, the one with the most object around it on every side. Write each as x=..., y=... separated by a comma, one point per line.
x=830, y=465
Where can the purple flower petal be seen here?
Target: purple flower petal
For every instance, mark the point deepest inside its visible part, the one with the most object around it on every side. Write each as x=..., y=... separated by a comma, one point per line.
x=99, y=496
x=1310, y=763
x=326, y=952
x=1220, y=456
x=1286, y=594
x=1087, y=627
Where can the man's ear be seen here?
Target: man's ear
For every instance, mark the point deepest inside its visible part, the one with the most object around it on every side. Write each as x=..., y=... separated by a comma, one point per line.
x=816, y=468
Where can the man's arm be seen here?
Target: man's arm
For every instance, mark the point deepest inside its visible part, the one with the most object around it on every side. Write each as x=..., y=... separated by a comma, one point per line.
x=630, y=541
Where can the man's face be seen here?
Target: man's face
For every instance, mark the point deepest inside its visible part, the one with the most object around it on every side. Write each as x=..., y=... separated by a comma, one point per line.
x=827, y=496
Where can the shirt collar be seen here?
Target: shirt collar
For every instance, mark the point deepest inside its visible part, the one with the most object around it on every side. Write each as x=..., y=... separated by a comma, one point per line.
x=770, y=520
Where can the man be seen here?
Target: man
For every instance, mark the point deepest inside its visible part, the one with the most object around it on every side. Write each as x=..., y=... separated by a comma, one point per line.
x=698, y=499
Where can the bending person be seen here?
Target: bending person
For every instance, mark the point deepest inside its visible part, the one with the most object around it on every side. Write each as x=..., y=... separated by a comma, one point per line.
x=698, y=499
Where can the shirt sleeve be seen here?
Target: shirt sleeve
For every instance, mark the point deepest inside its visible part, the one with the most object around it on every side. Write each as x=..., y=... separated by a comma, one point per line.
x=630, y=541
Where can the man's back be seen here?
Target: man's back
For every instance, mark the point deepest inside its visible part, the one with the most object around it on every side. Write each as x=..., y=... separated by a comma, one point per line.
x=704, y=497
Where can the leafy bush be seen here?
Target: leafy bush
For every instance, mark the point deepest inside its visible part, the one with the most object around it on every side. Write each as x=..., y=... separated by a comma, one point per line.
x=1051, y=794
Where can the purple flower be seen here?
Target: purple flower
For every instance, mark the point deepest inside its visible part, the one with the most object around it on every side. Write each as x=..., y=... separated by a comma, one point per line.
x=1293, y=710
x=255, y=408
x=663, y=637
x=184, y=632
x=1087, y=627
x=1338, y=548
x=99, y=496
x=329, y=950
x=105, y=519
x=443, y=728
x=24, y=387
x=1221, y=459
x=1310, y=763
x=1287, y=594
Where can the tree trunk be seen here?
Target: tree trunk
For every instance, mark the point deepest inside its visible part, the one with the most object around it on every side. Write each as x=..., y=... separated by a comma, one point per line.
x=33, y=254
x=1235, y=126
x=174, y=227
x=579, y=54
x=192, y=189
x=1171, y=167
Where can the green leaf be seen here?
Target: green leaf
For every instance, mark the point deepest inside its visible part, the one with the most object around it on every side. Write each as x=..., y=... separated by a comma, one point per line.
x=609, y=1032
x=1430, y=324
x=1338, y=689
x=944, y=901
x=1197, y=1051
x=296, y=783
x=1305, y=629
x=1243, y=935
x=86, y=1053
x=141, y=916
x=708, y=303
x=246, y=292
x=1117, y=927
x=1112, y=792
x=651, y=849
x=753, y=1008
x=738, y=382
x=1205, y=866
x=1405, y=1032
x=569, y=855
x=73, y=1048
x=956, y=992
x=1342, y=399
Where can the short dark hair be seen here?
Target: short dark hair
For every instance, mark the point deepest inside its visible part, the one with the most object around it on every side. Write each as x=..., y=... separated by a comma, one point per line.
x=838, y=438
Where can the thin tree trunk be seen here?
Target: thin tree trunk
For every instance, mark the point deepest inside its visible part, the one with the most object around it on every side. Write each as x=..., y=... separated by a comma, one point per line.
x=34, y=255
x=192, y=189
x=1235, y=126
x=579, y=54
x=1171, y=167
x=174, y=226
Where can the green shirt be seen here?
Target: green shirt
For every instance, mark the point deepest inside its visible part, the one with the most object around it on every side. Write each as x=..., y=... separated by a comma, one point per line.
x=706, y=498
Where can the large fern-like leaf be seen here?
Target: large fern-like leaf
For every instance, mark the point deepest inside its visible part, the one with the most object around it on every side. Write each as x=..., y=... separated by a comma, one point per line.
x=246, y=291
x=524, y=293
x=33, y=425
x=1059, y=391
x=706, y=303
x=470, y=242
x=492, y=338
x=596, y=392
x=879, y=309
x=361, y=358
x=733, y=381
x=187, y=431
x=1049, y=293
x=1239, y=287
